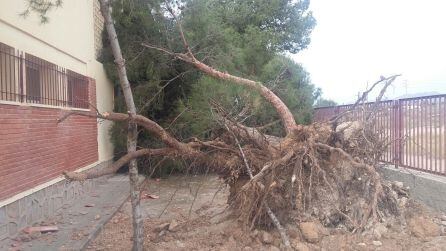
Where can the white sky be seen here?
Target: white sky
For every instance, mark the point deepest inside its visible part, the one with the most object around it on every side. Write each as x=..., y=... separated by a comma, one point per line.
x=357, y=41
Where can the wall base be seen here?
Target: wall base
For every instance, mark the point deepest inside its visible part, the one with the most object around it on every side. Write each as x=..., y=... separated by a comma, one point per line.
x=425, y=187
x=43, y=204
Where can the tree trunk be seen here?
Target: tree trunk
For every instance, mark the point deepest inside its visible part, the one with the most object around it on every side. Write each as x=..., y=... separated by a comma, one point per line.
x=132, y=133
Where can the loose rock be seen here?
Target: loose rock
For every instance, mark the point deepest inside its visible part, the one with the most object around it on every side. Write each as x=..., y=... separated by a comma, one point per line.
x=161, y=227
x=398, y=184
x=293, y=232
x=310, y=231
x=267, y=238
x=377, y=243
x=422, y=227
x=173, y=226
x=299, y=246
x=379, y=230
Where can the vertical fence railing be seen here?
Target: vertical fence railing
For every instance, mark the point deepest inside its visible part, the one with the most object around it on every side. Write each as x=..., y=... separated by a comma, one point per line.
x=415, y=129
x=29, y=79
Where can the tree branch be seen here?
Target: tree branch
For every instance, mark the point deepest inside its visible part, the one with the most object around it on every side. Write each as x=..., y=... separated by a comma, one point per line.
x=148, y=124
x=389, y=81
x=284, y=113
x=113, y=168
x=336, y=118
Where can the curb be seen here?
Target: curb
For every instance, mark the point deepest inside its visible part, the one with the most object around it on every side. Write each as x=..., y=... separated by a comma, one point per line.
x=425, y=187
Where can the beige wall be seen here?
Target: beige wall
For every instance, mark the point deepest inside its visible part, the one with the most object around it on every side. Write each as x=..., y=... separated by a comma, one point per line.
x=68, y=41
x=104, y=94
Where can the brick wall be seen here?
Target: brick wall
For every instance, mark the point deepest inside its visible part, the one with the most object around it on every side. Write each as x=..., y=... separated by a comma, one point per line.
x=34, y=148
x=98, y=27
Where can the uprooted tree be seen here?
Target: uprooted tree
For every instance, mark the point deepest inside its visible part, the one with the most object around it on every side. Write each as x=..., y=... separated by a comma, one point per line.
x=270, y=177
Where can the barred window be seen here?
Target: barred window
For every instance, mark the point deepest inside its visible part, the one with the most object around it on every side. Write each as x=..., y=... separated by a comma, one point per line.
x=30, y=79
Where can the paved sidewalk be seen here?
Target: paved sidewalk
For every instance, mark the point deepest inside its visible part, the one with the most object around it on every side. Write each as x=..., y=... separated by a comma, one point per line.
x=80, y=222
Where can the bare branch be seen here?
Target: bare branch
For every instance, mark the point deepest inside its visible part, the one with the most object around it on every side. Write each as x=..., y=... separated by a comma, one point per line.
x=180, y=28
x=336, y=118
x=159, y=49
x=95, y=173
x=389, y=81
x=148, y=124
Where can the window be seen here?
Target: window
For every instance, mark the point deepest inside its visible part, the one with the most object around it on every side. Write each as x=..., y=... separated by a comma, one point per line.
x=27, y=78
x=32, y=83
x=9, y=79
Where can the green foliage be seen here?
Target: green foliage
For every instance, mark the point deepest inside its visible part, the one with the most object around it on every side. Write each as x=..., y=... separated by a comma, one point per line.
x=41, y=8
x=245, y=38
x=285, y=25
x=241, y=37
x=322, y=102
x=150, y=72
x=287, y=78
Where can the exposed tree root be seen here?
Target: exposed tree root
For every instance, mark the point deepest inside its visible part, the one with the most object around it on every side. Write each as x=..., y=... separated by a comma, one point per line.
x=310, y=177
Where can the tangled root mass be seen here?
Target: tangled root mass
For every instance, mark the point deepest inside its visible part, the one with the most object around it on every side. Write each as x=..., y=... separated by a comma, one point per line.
x=315, y=172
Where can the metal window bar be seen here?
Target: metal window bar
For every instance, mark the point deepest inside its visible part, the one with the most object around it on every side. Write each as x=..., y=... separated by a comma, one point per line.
x=30, y=79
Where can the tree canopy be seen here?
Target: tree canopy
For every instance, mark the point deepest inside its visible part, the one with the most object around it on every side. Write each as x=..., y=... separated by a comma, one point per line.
x=251, y=39
x=246, y=38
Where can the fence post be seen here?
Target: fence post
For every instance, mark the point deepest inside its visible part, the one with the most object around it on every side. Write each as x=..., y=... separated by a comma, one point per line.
x=397, y=133
x=400, y=134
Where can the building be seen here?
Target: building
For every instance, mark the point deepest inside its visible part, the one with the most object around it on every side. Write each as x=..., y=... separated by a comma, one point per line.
x=45, y=71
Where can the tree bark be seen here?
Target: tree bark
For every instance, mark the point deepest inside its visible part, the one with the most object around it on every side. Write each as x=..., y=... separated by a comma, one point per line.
x=148, y=124
x=113, y=168
x=285, y=114
x=132, y=133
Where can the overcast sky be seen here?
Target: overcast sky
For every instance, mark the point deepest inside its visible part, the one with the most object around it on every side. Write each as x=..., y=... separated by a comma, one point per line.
x=357, y=41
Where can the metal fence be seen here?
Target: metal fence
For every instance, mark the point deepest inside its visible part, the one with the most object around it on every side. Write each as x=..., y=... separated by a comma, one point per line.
x=28, y=79
x=414, y=127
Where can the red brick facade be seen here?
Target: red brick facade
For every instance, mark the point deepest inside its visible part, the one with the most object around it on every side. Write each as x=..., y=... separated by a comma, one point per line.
x=34, y=148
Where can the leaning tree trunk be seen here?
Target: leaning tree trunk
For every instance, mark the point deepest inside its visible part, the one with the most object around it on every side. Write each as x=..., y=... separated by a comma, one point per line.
x=132, y=133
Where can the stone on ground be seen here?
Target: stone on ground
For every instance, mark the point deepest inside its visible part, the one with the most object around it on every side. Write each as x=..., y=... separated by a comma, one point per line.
x=422, y=227
x=310, y=231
